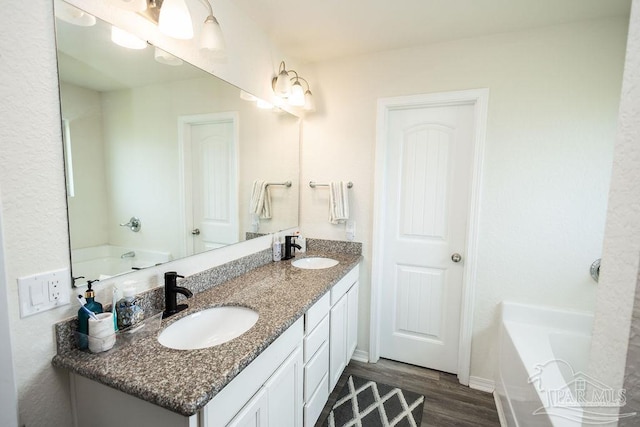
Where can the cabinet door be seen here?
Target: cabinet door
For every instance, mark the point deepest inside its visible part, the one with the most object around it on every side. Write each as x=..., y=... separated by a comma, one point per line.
x=284, y=389
x=352, y=320
x=337, y=341
x=254, y=413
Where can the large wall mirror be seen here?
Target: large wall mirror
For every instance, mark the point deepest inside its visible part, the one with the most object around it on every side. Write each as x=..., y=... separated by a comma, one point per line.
x=163, y=160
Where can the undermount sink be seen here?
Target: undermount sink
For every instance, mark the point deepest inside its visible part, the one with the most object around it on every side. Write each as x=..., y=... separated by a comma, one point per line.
x=208, y=328
x=314, y=263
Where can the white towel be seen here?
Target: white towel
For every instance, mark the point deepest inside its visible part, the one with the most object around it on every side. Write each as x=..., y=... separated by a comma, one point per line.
x=260, y=203
x=338, y=202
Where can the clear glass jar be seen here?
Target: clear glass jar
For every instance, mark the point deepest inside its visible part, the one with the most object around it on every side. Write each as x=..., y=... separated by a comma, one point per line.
x=128, y=309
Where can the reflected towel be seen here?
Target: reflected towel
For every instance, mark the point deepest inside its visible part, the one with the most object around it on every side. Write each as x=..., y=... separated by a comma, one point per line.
x=338, y=202
x=260, y=203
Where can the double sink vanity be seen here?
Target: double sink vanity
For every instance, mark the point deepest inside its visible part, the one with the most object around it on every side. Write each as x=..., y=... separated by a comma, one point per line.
x=290, y=331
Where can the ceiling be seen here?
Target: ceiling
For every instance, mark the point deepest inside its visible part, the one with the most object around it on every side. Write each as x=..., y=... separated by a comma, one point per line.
x=320, y=30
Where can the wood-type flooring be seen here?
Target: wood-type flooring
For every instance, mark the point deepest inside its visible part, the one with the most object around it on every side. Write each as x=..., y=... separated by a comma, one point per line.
x=447, y=402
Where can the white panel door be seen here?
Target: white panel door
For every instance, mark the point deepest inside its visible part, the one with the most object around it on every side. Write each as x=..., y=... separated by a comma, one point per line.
x=285, y=394
x=427, y=186
x=213, y=184
x=254, y=413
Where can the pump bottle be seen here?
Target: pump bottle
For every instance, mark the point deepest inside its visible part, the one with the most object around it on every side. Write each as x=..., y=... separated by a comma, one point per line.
x=83, y=317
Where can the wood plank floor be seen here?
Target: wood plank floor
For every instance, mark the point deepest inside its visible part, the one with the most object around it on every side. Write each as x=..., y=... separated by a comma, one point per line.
x=447, y=402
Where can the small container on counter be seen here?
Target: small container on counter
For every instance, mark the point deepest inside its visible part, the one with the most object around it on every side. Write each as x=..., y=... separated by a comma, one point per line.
x=128, y=309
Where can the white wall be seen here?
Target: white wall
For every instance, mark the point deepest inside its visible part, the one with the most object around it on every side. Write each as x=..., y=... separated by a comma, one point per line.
x=32, y=181
x=553, y=104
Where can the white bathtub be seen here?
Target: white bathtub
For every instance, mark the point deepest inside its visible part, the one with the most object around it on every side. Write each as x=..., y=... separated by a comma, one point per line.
x=101, y=262
x=543, y=357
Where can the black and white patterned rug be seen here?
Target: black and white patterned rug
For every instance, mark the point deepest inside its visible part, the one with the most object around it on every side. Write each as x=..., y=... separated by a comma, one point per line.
x=366, y=403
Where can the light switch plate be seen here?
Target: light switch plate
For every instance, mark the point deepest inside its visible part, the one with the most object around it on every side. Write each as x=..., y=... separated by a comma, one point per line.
x=350, y=230
x=44, y=291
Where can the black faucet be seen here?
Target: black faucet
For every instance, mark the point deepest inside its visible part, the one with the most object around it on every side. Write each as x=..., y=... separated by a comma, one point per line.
x=171, y=291
x=290, y=247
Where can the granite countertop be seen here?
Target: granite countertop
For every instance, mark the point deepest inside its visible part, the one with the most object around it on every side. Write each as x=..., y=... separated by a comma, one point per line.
x=184, y=381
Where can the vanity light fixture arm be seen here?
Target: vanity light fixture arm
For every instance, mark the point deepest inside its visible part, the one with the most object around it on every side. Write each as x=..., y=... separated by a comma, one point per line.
x=208, y=6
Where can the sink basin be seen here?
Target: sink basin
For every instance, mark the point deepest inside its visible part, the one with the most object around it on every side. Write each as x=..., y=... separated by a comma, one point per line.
x=314, y=263
x=208, y=328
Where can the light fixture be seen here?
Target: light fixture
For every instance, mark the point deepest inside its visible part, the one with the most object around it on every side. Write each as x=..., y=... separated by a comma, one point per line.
x=125, y=39
x=166, y=58
x=290, y=89
x=211, y=37
x=73, y=15
x=175, y=20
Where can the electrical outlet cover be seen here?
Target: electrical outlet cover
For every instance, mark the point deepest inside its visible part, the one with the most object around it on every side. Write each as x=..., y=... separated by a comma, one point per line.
x=44, y=291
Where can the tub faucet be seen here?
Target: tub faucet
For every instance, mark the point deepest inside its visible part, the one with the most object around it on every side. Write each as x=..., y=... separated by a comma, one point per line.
x=290, y=246
x=171, y=291
x=129, y=254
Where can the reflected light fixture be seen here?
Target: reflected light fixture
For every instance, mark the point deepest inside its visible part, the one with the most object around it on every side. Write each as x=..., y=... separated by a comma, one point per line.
x=132, y=5
x=289, y=89
x=175, y=20
x=166, y=58
x=126, y=39
x=73, y=15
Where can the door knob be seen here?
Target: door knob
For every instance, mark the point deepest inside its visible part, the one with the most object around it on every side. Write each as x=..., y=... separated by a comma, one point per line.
x=195, y=231
x=456, y=257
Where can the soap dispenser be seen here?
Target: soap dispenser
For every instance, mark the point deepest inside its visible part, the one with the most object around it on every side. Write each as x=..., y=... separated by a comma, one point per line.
x=83, y=317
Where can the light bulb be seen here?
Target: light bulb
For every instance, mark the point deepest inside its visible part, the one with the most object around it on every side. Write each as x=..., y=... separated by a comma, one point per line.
x=175, y=20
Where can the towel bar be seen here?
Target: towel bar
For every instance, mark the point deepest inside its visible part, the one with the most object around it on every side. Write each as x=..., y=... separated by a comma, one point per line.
x=313, y=184
x=286, y=183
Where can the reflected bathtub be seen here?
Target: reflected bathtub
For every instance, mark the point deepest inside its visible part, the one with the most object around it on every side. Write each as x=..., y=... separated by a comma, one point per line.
x=543, y=357
x=104, y=261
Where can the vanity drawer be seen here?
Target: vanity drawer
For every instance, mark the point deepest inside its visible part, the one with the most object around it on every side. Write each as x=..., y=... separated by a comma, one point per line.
x=313, y=407
x=315, y=339
x=315, y=370
x=316, y=313
x=344, y=284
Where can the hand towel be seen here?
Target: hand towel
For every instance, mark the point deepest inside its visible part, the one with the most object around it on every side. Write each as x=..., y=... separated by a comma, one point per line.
x=260, y=203
x=338, y=202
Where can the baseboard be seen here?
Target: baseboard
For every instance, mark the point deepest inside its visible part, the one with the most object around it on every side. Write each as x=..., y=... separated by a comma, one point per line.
x=360, y=356
x=500, y=409
x=482, y=384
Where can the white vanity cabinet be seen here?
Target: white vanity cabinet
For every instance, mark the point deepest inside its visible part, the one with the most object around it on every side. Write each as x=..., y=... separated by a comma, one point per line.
x=343, y=335
x=276, y=403
x=268, y=392
x=316, y=359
